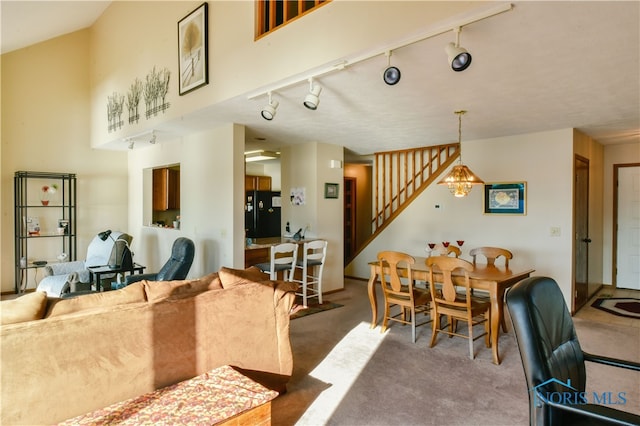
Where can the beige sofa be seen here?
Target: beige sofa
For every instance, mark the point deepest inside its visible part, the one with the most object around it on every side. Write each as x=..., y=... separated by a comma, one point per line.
x=66, y=357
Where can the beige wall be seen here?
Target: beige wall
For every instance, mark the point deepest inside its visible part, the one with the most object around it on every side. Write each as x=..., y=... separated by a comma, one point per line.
x=508, y=159
x=211, y=199
x=307, y=166
x=146, y=37
x=54, y=115
x=46, y=127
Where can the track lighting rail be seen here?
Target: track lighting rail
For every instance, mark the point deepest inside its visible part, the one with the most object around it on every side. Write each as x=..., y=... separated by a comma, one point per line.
x=456, y=26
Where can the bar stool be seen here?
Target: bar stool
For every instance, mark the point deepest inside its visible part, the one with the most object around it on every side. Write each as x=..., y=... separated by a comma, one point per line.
x=283, y=258
x=312, y=264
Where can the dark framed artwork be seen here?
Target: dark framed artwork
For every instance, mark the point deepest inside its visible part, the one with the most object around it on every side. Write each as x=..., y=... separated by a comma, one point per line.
x=330, y=190
x=505, y=198
x=193, y=51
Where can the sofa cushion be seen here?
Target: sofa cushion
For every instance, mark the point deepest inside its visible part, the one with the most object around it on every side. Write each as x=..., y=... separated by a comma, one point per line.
x=131, y=294
x=233, y=277
x=159, y=290
x=28, y=307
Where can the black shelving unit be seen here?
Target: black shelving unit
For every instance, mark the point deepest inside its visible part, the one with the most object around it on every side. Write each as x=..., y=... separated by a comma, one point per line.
x=28, y=204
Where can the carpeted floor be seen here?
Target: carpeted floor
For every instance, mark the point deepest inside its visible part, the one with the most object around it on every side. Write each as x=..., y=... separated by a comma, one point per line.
x=621, y=306
x=346, y=373
x=300, y=311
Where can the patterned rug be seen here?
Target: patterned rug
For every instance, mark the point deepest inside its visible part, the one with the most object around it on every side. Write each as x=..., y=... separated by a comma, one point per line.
x=621, y=306
x=299, y=311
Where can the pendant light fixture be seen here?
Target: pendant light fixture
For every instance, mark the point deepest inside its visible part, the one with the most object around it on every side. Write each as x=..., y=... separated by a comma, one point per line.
x=460, y=179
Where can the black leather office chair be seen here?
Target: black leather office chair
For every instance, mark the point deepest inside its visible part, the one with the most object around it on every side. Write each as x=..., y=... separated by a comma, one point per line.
x=553, y=360
x=176, y=268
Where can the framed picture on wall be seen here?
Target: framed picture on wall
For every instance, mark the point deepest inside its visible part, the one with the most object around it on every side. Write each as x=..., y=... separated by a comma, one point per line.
x=505, y=198
x=193, y=51
x=330, y=190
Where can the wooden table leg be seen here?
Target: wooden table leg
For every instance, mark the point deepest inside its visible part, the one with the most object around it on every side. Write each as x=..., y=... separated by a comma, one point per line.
x=495, y=322
x=372, y=297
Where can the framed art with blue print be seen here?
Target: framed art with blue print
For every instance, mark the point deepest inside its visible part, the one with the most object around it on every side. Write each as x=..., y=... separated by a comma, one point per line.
x=509, y=198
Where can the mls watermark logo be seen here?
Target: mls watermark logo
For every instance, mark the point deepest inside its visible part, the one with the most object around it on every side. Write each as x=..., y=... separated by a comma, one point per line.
x=571, y=396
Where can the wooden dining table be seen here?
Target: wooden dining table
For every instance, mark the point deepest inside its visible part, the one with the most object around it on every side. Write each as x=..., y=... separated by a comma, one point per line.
x=493, y=279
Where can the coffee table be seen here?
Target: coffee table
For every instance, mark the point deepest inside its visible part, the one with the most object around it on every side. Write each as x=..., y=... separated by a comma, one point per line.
x=96, y=272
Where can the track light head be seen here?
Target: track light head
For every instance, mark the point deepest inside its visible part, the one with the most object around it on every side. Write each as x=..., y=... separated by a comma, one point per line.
x=269, y=111
x=391, y=75
x=152, y=141
x=459, y=58
x=131, y=143
x=312, y=100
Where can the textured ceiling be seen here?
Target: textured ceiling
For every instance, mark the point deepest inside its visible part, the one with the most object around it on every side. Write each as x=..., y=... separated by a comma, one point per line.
x=541, y=66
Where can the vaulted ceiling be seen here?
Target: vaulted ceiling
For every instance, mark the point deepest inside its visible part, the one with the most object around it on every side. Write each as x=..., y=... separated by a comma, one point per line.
x=541, y=66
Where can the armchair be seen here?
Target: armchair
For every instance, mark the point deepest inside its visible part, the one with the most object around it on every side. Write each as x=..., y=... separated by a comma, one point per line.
x=64, y=277
x=554, y=363
x=176, y=268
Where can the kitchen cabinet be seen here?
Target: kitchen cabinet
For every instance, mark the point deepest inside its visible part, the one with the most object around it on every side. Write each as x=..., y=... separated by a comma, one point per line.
x=44, y=222
x=257, y=183
x=166, y=189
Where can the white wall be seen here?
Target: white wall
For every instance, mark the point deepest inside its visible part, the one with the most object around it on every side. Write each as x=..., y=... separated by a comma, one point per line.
x=307, y=166
x=544, y=161
x=131, y=38
x=45, y=127
x=211, y=199
x=613, y=154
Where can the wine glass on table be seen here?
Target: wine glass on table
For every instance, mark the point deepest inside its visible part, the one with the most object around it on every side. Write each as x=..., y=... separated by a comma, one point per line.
x=460, y=242
x=430, y=247
x=445, y=244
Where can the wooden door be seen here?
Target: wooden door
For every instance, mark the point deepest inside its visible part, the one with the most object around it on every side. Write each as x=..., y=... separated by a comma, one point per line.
x=350, y=221
x=626, y=235
x=581, y=235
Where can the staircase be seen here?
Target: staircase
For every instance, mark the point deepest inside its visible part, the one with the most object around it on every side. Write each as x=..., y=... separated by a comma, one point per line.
x=400, y=176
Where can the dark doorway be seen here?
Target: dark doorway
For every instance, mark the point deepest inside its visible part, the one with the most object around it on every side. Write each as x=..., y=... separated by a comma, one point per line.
x=350, y=218
x=581, y=235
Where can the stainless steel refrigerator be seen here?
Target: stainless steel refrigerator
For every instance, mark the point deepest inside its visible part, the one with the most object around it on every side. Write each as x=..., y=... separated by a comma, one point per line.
x=262, y=214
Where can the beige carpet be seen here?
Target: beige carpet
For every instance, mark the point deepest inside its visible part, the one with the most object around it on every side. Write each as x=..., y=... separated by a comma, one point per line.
x=347, y=374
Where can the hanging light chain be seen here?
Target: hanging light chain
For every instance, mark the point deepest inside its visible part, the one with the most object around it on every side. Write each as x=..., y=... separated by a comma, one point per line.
x=460, y=114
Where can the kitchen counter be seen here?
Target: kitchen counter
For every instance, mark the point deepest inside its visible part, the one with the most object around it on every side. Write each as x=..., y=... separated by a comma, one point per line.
x=260, y=243
x=260, y=250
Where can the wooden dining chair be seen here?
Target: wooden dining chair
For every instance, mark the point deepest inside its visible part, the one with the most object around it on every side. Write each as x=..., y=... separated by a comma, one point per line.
x=456, y=306
x=410, y=299
x=452, y=250
x=491, y=254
